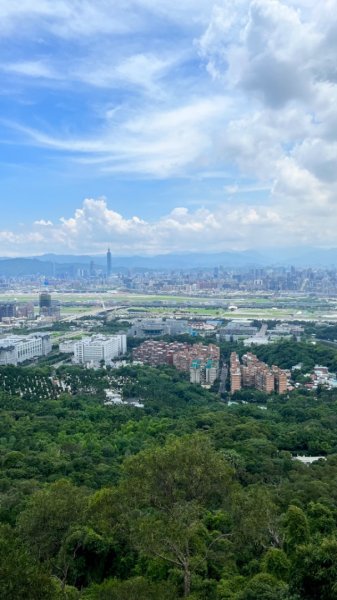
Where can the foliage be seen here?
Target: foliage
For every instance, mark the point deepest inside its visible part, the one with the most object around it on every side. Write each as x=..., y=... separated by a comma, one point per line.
x=187, y=497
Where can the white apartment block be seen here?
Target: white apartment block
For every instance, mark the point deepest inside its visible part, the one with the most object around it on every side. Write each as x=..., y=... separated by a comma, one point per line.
x=16, y=349
x=93, y=350
x=67, y=347
x=204, y=373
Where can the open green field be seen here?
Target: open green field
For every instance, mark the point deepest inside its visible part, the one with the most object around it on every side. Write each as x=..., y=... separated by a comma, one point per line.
x=92, y=302
x=241, y=313
x=134, y=298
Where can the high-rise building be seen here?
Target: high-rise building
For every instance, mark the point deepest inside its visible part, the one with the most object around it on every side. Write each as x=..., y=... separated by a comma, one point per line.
x=7, y=310
x=235, y=373
x=108, y=263
x=48, y=307
x=44, y=301
x=281, y=380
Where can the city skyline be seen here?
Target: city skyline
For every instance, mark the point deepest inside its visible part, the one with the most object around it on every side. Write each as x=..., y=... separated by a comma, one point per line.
x=152, y=128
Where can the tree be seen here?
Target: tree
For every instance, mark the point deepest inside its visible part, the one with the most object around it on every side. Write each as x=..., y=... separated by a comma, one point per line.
x=50, y=517
x=255, y=521
x=83, y=556
x=177, y=538
x=314, y=570
x=137, y=588
x=276, y=563
x=321, y=519
x=21, y=578
x=185, y=469
x=296, y=528
x=162, y=496
x=264, y=587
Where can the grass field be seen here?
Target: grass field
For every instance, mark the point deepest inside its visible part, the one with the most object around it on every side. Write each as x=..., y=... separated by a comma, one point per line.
x=78, y=303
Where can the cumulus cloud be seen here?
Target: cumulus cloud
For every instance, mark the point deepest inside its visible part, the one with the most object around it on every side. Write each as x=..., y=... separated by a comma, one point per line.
x=277, y=57
x=43, y=223
x=95, y=226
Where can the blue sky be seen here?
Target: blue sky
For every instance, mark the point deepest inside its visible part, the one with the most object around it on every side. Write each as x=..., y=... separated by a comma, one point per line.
x=152, y=126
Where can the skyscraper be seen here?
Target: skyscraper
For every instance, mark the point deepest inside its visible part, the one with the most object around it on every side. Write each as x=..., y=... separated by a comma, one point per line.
x=44, y=302
x=8, y=310
x=48, y=307
x=108, y=263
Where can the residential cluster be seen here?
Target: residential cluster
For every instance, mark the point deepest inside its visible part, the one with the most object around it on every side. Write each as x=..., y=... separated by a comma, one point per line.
x=320, y=375
x=253, y=373
x=201, y=361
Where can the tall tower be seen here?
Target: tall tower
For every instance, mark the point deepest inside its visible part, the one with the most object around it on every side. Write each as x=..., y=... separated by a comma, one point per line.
x=108, y=263
x=45, y=304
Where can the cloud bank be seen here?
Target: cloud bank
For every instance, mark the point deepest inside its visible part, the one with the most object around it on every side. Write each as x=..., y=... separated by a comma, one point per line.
x=95, y=226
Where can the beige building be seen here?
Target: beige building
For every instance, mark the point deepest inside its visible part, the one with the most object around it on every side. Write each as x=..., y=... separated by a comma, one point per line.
x=235, y=373
x=253, y=373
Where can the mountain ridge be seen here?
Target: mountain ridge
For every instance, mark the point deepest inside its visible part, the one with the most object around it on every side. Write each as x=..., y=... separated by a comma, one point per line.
x=51, y=264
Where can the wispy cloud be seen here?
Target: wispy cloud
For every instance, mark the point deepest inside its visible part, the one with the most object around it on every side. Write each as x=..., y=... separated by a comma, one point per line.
x=161, y=90
x=38, y=69
x=157, y=143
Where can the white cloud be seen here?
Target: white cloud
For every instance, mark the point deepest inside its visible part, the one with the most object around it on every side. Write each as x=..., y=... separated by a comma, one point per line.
x=83, y=18
x=64, y=18
x=276, y=57
x=141, y=71
x=43, y=223
x=259, y=101
x=153, y=143
x=38, y=69
x=95, y=226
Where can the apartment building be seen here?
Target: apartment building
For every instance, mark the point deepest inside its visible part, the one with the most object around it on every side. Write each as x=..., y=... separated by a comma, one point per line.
x=16, y=349
x=253, y=373
x=93, y=350
x=204, y=373
x=281, y=380
x=158, y=353
x=201, y=361
x=235, y=373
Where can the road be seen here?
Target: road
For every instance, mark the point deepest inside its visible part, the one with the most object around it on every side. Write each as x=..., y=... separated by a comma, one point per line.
x=92, y=313
x=223, y=379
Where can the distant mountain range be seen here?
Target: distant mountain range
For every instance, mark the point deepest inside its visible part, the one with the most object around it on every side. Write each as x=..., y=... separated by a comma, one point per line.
x=54, y=264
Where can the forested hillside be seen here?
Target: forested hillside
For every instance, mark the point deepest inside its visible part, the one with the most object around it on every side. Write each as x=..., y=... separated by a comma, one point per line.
x=186, y=497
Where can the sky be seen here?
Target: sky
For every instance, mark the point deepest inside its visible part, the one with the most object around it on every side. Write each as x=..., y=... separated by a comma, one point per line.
x=153, y=126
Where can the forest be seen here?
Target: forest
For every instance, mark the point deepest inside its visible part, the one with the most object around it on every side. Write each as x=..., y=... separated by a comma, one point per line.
x=188, y=497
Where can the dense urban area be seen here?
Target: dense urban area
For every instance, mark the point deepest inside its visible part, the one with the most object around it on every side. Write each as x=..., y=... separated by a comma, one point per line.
x=168, y=434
